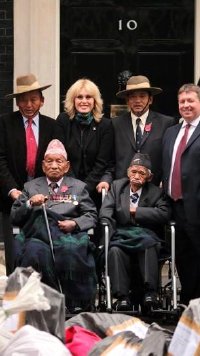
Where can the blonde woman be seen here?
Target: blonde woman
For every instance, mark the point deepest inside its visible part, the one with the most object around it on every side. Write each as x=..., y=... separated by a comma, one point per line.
x=87, y=136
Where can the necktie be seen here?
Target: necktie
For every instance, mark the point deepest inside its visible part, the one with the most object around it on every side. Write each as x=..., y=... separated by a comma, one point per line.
x=53, y=186
x=176, y=189
x=134, y=197
x=31, y=150
x=138, y=134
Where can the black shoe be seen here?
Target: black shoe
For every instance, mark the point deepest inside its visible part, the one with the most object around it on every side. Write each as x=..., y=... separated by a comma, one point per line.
x=123, y=305
x=150, y=299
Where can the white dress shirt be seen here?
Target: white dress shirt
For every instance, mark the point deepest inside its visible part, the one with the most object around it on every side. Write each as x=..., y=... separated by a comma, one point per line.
x=135, y=205
x=142, y=123
x=193, y=125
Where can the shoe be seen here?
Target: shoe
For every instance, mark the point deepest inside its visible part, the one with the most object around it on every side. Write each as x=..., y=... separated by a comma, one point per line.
x=123, y=305
x=150, y=299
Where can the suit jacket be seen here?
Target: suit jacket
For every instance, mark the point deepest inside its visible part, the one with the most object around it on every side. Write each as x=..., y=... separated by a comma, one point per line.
x=190, y=170
x=125, y=146
x=13, y=153
x=94, y=153
x=84, y=213
x=152, y=212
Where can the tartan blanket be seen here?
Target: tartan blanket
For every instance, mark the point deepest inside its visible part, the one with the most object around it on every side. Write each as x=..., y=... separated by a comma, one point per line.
x=73, y=261
x=134, y=238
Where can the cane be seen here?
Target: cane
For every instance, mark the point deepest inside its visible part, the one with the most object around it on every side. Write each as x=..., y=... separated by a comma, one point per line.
x=51, y=243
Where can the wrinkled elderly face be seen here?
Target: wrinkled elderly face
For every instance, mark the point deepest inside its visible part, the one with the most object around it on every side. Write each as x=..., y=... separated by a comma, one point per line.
x=55, y=166
x=138, y=175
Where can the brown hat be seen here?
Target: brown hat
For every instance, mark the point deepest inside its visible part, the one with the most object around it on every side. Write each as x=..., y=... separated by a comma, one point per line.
x=26, y=83
x=138, y=82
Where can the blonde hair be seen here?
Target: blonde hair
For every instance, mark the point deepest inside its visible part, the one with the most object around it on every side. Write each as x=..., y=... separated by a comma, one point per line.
x=92, y=89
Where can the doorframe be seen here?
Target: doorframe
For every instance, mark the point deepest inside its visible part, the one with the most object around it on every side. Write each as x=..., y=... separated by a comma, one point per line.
x=37, y=47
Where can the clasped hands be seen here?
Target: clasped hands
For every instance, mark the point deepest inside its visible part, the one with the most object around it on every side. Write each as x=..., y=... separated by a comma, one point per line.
x=133, y=211
x=64, y=225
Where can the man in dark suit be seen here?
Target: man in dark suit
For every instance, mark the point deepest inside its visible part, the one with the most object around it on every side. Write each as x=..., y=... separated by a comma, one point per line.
x=181, y=180
x=135, y=211
x=71, y=212
x=149, y=130
x=14, y=143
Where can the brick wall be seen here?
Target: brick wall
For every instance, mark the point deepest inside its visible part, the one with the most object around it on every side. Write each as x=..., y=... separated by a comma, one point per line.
x=6, y=58
x=6, y=54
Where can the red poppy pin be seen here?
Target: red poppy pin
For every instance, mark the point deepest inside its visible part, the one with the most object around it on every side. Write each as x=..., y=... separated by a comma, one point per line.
x=147, y=127
x=64, y=188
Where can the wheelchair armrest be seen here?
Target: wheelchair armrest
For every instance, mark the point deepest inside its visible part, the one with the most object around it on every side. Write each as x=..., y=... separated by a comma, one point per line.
x=172, y=223
x=103, y=193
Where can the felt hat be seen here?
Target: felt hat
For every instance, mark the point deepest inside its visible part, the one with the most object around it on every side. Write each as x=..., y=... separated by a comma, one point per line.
x=56, y=147
x=141, y=159
x=25, y=84
x=138, y=82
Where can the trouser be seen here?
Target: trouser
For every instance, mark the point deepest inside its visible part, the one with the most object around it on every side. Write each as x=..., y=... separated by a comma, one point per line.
x=123, y=273
x=187, y=242
x=8, y=242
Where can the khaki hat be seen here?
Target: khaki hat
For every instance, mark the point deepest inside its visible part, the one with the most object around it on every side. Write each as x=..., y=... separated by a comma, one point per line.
x=138, y=82
x=26, y=83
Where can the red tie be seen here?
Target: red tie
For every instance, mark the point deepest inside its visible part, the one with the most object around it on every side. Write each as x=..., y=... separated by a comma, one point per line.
x=176, y=189
x=31, y=149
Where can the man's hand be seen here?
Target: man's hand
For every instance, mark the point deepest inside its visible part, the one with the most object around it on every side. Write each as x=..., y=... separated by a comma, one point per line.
x=67, y=225
x=15, y=194
x=133, y=211
x=37, y=199
x=102, y=185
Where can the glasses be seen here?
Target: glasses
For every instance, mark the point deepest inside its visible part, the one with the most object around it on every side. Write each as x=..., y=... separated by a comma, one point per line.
x=81, y=97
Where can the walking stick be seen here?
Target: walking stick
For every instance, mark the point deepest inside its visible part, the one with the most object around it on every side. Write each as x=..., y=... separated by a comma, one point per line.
x=51, y=243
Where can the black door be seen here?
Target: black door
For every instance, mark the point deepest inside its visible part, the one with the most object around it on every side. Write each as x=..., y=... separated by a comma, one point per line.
x=102, y=38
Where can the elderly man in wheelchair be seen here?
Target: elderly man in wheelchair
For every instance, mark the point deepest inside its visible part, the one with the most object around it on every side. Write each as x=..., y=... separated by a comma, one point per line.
x=54, y=213
x=135, y=211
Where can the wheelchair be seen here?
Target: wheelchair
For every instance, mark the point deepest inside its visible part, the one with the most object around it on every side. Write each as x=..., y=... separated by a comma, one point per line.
x=167, y=307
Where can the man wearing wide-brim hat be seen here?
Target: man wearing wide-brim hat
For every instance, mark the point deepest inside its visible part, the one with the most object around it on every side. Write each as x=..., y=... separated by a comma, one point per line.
x=24, y=136
x=140, y=129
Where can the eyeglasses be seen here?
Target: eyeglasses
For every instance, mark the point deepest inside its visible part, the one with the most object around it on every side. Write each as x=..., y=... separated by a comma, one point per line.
x=81, y=97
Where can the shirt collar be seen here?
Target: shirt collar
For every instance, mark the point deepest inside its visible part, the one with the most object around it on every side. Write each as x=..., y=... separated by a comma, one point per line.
x=59, y=182
x=142, y=117
x=35, y=120
x=139, y=191
x=192, y=123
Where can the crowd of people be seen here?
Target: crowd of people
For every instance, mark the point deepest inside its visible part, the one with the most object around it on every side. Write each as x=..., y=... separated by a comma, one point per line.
x=147, y=163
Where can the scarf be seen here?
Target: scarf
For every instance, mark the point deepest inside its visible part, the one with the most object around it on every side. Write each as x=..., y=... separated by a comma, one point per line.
x=84, y=119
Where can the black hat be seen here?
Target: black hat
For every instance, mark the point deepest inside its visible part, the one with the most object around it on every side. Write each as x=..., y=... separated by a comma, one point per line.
x=141, y=159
